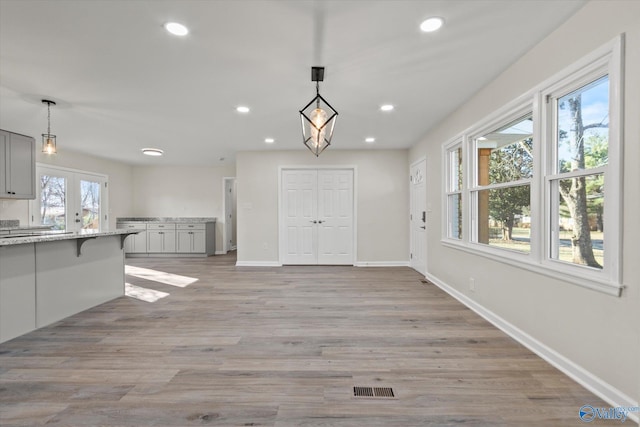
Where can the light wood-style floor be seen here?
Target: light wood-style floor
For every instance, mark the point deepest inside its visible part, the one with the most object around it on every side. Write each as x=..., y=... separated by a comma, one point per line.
x=280, y=347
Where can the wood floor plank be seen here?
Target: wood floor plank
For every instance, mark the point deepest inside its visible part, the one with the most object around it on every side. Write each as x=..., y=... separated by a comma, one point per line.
x=280, y=347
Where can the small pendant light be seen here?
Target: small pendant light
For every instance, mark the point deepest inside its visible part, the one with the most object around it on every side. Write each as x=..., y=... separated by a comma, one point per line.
x=48, y=140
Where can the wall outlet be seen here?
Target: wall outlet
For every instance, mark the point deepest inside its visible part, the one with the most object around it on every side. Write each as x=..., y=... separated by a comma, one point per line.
x=472, y=284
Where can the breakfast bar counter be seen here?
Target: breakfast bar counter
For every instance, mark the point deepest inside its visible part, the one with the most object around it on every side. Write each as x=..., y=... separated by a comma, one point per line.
x=52, y=275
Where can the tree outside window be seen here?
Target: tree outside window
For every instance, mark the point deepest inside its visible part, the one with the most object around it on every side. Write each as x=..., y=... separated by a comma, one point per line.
x=582, y=144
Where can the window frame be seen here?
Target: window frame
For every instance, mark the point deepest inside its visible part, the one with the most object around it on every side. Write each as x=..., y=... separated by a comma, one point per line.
x=447, y=224
x=73, y=177
x=513, y=111
x=606, y=60
x=603, y=62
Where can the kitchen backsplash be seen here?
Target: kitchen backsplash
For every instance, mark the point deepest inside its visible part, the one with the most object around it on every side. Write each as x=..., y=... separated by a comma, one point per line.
x=9, y=223
x=15, y=209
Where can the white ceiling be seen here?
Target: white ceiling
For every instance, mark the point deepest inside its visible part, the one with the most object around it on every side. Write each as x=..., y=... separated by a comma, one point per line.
x=123, y=83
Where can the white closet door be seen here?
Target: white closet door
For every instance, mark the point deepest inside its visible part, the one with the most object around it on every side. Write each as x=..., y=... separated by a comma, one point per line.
x=335, y=217
x=300, y=205
x=317, y=222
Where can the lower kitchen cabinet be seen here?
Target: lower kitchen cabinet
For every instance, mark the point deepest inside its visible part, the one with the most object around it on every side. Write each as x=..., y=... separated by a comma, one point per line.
x=135, y=243
x=191, y=238
x=161, y=238
x=166, y=238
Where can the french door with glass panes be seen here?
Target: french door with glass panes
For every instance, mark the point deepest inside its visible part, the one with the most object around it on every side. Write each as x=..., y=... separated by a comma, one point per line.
x=69, y=200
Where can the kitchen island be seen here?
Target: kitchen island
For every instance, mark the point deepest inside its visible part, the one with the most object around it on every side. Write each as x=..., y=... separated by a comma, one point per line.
x=52, y=275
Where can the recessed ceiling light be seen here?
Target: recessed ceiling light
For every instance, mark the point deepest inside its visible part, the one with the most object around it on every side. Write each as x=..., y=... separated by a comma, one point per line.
x=370, y=139
x=269, y=140
x=242, y=109
x=152, y=151
x=176, y=29
x=431, y=24
x=386, y=107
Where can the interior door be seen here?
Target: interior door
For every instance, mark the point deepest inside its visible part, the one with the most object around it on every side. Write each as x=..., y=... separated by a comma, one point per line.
x=300, y=205
x=335, y=217
x=229, y=215
x=317, y=221
x=418, y=216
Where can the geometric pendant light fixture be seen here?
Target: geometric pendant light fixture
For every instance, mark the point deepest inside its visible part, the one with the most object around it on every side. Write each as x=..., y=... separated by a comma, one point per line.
x=48, y=140
x=318, y=118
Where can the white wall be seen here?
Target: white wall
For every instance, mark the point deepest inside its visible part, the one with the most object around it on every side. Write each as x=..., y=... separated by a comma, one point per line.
x=595, y=331
x=181, y=191
x=120, y=174
x=382, y=201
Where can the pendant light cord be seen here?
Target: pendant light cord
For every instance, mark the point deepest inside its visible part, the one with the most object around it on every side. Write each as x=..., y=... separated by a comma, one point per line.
x=48, y=118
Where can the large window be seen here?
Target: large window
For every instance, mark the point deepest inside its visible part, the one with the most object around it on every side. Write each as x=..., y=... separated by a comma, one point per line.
x=535, y=176
x=502, y=187
x=577, y=178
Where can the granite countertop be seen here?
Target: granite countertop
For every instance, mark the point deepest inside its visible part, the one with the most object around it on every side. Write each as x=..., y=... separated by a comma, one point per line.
x=166, y=219
x=52, y=236
x=14, y=225
x=26, y=228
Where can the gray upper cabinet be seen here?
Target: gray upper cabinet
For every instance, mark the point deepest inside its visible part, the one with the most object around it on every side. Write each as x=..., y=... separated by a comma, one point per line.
x=17, y=166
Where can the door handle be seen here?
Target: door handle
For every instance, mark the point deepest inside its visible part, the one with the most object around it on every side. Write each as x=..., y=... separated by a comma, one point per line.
x=313, y=222
x=424, y=227
x=77, y=220
x=320, y=222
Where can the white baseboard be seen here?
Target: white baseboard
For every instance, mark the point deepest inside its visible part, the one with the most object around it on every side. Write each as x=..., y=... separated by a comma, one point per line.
x=220, y=253
x=591, y=382
x=258, y=264
x=357, y=264
x=381, y=264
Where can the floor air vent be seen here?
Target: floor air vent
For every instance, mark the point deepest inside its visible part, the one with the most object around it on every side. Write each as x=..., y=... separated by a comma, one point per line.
x=379, y=392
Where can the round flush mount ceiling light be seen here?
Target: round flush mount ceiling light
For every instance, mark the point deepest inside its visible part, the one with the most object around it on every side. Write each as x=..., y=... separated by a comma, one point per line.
x=370, y=140
x=387, y=107
x=269, y=140
x=242, y=109
x=152, y=152
x=431, y=24
x=176, y=29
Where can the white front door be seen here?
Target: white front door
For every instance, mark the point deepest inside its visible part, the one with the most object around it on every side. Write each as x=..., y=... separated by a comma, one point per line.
x=317, y=216
x=418, y=216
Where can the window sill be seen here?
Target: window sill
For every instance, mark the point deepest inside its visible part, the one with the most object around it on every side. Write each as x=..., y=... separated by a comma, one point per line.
x=522, y=261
